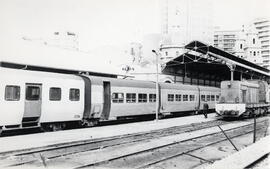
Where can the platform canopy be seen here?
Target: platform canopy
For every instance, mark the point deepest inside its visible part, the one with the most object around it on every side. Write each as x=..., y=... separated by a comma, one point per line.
x=204, y=60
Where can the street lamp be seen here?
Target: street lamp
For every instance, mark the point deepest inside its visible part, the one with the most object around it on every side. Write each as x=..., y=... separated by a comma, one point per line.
x=157, y=91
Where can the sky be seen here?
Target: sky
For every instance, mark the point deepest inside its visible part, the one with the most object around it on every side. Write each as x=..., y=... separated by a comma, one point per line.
x=231, y=14
x=99, y=21
x=108, y=22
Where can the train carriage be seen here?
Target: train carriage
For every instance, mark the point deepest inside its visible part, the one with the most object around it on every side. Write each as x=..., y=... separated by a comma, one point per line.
x=210, y=96
x=12, y=90
x=132, y=98
x=30, y=98
x=183, y=98
x=53, y=100
x=63, y=100
x=115, y=98
x=179, y=97
x=118, y=98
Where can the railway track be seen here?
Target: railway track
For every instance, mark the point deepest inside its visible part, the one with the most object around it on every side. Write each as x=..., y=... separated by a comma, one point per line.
x=157, y=146
x=17, y=132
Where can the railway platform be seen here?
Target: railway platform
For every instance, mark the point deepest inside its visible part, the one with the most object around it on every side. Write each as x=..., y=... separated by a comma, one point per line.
x=23, y=142
x=245, y=157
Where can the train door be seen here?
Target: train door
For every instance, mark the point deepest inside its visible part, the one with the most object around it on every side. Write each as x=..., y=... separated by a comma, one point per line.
x=106, y=100
x=244, y=96
x=198, y=100
x=32, y=109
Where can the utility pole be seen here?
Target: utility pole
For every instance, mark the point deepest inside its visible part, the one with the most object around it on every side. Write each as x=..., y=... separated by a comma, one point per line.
x=157, y=86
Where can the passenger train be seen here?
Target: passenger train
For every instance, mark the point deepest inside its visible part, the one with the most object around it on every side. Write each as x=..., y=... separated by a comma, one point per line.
x=243, y=98
x=53, y=101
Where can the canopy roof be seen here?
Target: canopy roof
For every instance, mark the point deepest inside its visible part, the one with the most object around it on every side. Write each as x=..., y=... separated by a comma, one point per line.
x=221, y=54
x=203, y=58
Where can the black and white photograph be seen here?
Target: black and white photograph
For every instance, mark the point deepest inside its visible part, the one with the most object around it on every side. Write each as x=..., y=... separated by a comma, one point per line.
x=134, y=84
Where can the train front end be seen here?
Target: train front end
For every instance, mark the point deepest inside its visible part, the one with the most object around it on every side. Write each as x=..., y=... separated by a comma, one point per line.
x=231, y=103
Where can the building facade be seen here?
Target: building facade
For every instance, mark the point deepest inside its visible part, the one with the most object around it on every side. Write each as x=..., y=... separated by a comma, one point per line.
x=262, y=25
x=252, y=46
x=231, y=41
x=187, y=20
x=244, y=43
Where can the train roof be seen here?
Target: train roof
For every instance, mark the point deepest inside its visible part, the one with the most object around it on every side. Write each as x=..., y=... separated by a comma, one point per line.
x=146, y=84
x=178, y=86
x=19, y=73
x=121, y=82
x=187, y=87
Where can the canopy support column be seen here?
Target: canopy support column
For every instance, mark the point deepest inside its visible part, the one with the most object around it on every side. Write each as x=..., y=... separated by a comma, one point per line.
x=232, y=68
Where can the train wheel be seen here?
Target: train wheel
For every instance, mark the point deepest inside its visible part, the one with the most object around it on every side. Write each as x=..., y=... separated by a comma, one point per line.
x=249, y=113
x=161, y=116
x=53, y=127
x=265, y=111
x=58, y=126
x=90, y=123
x=1, y=130
x=45, y=127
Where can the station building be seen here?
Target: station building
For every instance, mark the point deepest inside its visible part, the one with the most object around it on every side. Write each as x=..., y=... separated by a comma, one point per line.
x=199, y=63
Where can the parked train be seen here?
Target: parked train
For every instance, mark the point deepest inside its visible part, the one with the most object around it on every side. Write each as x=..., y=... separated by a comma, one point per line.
x=53, y=100
x=243, y=98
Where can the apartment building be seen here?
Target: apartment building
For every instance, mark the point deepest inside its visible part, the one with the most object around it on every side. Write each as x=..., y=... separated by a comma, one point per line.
x=262, y=26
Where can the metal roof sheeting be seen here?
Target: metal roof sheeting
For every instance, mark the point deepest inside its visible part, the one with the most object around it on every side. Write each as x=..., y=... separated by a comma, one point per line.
x=205, y=48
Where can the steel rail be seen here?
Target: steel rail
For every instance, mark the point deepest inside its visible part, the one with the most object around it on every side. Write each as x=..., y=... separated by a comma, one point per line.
x=170, y=144
x=125, y=142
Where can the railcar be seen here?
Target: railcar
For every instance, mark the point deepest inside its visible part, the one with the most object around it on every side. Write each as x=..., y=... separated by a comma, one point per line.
x=33, y=99
x=111, y=99
x=243, y=98
x=118, y=98
x=53, y=100
x=182, y=97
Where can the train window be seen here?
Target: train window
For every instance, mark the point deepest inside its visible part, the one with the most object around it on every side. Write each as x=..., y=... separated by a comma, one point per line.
x=12, y=93
x=203, y=98
x=208, y=98
x=191, y=97
x=170, y=97
x=74, y=94
x=131, y=97
x=178, y=97
x=32, y=93
x=217, y=97
x=212, y=97
x=142, y=97
x=152, y=97
x=185, y=97
x=55, y=94
x=118, y=97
